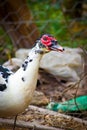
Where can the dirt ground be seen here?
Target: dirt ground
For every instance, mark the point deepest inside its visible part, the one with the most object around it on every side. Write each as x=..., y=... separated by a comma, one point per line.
x=54, y=91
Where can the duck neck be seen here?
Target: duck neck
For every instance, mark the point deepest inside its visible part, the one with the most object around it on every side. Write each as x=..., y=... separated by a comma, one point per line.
x=25, y=78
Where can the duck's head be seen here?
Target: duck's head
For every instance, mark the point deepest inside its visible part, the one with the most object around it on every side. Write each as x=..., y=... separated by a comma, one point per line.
x=47, y=43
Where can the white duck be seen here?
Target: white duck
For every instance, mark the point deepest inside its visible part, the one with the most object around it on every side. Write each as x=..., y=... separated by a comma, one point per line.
x=16, y=89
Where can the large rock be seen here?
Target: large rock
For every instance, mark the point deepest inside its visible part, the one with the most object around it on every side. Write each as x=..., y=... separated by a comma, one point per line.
x=66, y=66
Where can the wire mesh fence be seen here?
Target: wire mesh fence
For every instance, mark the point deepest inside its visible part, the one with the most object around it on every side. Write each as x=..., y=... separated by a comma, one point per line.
x=22, y=22
x=65, y=20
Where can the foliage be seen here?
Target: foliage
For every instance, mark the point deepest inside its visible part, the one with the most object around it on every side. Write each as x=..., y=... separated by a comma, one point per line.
x=5, y=39
x=49, y=18
x=6, y=46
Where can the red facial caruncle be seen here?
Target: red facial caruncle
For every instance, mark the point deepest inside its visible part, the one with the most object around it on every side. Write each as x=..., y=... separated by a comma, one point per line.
x=47, y=40
x=51, y=43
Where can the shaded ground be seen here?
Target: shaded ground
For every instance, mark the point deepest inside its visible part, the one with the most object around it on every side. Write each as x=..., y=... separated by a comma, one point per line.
x=58, y=90
x=54, y=91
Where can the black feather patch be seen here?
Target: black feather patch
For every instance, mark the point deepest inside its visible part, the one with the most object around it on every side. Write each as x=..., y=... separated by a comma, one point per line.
x=23, y=79
x=4, y=72
x=25, y=64
x=3, y=87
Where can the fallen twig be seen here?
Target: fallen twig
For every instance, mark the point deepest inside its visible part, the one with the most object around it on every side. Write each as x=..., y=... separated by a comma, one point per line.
x=22, y=124
x=43, y=119
x=59, y=120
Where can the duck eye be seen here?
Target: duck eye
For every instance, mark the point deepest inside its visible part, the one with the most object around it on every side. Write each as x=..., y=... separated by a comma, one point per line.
x=54, y=41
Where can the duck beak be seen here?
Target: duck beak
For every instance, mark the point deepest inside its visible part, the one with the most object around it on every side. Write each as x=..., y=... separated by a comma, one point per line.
x=56, y=47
